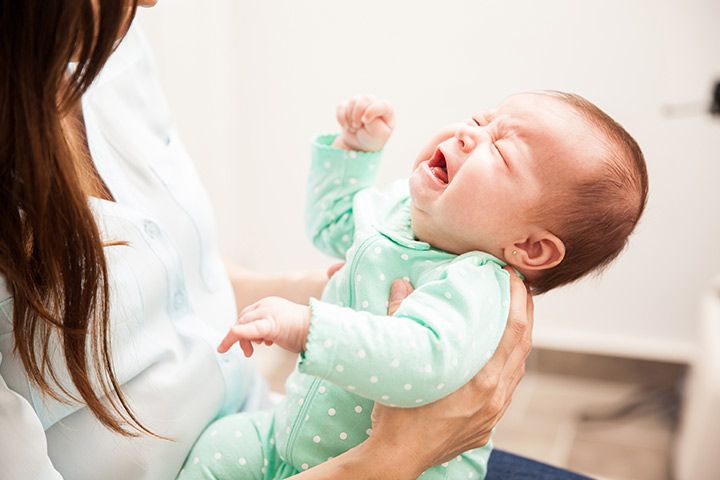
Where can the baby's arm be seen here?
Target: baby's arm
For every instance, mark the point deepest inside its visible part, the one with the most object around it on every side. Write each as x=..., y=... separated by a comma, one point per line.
x=342, y=166
x=441, y=335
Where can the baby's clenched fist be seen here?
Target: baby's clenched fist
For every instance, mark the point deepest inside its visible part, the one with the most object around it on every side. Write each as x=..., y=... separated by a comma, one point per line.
x=366, y=122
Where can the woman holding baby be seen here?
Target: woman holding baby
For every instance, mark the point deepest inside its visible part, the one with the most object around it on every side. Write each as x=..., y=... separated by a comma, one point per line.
x=112, y=288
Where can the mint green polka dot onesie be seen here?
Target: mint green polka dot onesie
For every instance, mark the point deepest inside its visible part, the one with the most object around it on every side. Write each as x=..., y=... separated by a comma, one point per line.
x=356, y=354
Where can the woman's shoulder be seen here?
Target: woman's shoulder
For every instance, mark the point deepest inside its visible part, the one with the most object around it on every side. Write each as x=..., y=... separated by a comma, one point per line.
x=132, y=51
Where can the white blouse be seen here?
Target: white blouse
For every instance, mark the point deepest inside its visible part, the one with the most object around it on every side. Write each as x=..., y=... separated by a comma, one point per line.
x=170, y=297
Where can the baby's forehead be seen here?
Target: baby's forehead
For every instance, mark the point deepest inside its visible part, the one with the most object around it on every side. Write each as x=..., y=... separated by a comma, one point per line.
x=547, y=126
x=534, y=107
x=541, y=116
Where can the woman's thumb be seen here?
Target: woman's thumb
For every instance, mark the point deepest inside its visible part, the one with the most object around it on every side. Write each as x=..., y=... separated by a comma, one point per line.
x=398, y=292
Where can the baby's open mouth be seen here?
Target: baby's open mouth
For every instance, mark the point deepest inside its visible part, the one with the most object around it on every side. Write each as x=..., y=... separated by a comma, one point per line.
x=438, y=167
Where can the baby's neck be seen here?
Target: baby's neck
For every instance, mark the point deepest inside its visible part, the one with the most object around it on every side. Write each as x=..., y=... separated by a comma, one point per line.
x=443, y=242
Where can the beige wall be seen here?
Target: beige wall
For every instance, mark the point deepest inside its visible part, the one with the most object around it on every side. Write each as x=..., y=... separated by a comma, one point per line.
x=251, y=82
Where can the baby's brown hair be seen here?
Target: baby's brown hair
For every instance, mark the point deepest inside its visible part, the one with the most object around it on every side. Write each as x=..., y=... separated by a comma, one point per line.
x=597, y=216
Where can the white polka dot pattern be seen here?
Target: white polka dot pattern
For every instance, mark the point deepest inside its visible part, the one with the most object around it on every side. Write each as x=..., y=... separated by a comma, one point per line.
x=444, y=333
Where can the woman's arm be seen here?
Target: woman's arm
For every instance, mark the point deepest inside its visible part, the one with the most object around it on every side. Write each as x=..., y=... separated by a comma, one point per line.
x=407, y=441
x=371, y=460
x=23, y=446
x=249, y=286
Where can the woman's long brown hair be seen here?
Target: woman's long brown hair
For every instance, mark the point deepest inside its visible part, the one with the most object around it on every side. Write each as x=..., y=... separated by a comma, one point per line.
x=51, y=251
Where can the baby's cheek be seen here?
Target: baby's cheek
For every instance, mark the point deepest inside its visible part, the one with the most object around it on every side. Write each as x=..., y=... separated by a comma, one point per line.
x=462, y=208
x=474, y=208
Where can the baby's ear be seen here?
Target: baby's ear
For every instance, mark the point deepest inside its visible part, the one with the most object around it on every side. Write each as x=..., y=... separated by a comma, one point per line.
x=540, y=251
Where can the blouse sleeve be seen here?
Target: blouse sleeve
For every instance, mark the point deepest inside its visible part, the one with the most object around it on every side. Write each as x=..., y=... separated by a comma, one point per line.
x=23, y=446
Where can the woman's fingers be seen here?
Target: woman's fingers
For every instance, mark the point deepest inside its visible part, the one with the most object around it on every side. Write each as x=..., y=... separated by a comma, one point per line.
x=464, y=419
x=530, y=308
x=332, y=269
x=519, y=324
x=399, y=291
x=514, y=368
x=504, y=370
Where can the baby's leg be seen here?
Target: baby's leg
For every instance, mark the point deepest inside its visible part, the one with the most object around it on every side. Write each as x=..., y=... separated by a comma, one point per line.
x=236, y=447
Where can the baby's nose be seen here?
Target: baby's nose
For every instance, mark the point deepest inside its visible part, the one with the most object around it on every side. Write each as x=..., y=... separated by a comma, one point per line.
x=465, y=139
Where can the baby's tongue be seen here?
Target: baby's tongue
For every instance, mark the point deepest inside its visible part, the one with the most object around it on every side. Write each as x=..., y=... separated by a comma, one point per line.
x=440, y=173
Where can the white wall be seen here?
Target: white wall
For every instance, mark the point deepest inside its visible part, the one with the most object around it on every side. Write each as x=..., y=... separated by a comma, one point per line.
x=252, y=81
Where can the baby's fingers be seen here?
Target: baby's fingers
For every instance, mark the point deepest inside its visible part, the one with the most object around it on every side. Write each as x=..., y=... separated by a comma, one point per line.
x=227, y=342
x=349, y=106
x=341, y=116
x=259, y=331
x=359, y=108
x=248, y=309
x=379, y=109
x=247, y=348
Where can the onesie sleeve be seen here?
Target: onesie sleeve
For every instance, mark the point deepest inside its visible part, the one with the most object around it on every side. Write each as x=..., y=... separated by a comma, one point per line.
x=23, y=447
x=440, y=337
x=335, y=177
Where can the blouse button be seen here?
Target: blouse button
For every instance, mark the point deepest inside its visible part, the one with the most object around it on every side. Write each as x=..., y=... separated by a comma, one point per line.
x=179, y=300
x=151, y=229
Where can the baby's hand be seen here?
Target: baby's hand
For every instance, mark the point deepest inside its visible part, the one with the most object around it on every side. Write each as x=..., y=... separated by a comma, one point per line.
x=366, y=124
x=270, y=320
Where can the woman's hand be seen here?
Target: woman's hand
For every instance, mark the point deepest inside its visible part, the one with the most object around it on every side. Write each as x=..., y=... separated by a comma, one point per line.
x=407, y=441
x=464, y=420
